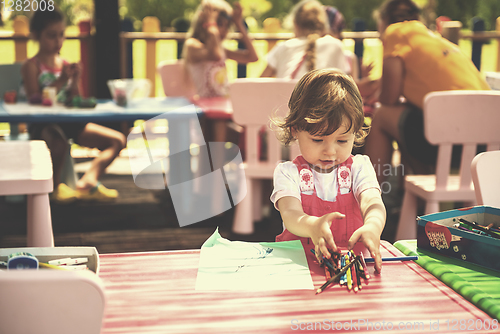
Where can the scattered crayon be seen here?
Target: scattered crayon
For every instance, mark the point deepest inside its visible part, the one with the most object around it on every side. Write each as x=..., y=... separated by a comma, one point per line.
x=343, y=278
x=348, y=273
x=396, y=258
x=328, y=275
x=327, y=262
x=363, y=264
x=336, y=277
x=358, y=273
x=351, y=268
x=354, y=278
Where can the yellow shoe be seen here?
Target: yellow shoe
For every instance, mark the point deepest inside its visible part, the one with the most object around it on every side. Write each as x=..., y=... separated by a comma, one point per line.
x=63, y=194
x=98, y=193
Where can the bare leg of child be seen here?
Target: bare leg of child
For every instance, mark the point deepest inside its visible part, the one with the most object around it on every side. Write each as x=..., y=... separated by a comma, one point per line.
x=384, y=129
x=58, y=146
x=110, y=142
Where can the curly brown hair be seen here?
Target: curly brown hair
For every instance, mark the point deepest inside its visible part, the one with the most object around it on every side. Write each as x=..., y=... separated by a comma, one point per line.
x=321, y=102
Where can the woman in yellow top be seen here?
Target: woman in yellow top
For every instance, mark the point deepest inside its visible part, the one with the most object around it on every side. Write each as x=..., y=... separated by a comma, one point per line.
x=416, y=61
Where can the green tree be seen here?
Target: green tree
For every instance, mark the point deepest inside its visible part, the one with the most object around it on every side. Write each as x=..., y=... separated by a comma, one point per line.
x=165, y=11
x=465, y=10
x=360, y=9
x=489, y=11
x=279, y=9
x=457, y=10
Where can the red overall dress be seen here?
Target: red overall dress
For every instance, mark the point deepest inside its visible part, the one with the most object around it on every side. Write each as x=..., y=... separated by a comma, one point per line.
x=312, y=205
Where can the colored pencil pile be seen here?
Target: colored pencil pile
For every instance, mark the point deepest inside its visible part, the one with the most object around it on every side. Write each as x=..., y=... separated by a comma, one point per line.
x=346, y=269
x=474, y=227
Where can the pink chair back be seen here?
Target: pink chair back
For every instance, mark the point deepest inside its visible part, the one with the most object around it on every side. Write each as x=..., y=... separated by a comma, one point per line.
x=175, y=79
x=254, y=102
x=51, y=301
x=486, y=178
x=461, y=117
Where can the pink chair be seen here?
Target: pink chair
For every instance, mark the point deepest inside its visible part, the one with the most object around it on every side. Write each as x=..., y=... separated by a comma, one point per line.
x=177, y=83
x=175, y=79
x=254, y=101
x=459, y=117
x=26, y=169
x=486, y=178
x=51, y=302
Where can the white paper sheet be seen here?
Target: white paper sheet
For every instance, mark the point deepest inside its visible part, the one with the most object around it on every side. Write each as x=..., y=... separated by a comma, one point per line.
x=243, y=266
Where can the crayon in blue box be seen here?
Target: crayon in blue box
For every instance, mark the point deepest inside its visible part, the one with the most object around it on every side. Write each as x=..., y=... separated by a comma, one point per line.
x=438, y=233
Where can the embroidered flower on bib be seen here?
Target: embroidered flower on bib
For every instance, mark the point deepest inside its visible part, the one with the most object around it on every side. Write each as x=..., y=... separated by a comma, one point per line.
x=344, y=179
x=306, y=180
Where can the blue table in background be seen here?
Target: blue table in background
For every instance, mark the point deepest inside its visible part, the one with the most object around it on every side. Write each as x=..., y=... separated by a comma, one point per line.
x=106, y=110
x=181, y=114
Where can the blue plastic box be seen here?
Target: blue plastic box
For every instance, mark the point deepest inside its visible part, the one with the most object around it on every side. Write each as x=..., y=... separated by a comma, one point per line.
x=435, y=233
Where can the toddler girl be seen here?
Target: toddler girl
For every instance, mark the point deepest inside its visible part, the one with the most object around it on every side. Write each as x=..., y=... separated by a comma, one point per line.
x=326, y=196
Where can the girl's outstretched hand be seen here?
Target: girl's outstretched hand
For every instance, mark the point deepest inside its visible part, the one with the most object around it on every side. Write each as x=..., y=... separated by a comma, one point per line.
x=322, y=236
x=369, y=236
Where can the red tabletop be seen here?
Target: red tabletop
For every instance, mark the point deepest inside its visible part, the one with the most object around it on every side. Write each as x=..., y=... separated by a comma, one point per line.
x=155, y=293
x=215, y=107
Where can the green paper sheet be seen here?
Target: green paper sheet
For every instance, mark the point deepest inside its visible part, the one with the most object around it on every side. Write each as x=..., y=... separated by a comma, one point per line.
x=477, y=284
x=244, y=266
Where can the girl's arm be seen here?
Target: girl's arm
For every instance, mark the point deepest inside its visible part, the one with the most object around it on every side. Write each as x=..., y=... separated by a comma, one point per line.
x=29, y=73
x=196, y=51
x=369, y=89
x=303, y=225
x=374, y=215
x=392, y=81
x=249, y=54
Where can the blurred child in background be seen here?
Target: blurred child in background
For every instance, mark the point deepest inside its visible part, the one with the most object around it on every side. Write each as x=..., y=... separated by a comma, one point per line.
x=204, y=54
x=48, y=69
x=310, y=49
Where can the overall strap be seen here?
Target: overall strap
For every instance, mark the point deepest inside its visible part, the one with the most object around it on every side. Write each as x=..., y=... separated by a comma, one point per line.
x=305, y=175
x=344, y=176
